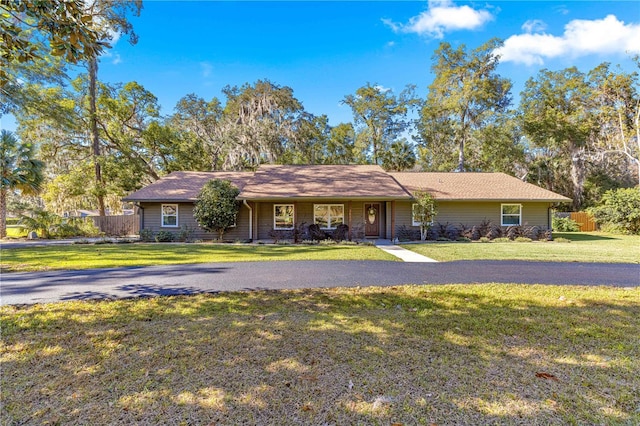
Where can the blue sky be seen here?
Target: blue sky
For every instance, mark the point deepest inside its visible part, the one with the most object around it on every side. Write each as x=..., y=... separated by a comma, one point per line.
x=326, y=50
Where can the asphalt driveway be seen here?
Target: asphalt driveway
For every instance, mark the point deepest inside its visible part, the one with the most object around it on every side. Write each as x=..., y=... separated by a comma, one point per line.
x=52, y=286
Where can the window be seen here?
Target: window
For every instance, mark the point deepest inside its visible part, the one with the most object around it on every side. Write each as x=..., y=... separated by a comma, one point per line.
x=511, y=214
x=283, y=216
x=328, y=216
x=170, y=215
x=416, y=212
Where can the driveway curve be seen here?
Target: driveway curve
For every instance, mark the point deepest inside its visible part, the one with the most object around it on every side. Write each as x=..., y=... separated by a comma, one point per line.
x=53, y=286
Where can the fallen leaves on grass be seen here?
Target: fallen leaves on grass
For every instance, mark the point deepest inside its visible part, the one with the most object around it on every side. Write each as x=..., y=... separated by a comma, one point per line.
x=543, y=375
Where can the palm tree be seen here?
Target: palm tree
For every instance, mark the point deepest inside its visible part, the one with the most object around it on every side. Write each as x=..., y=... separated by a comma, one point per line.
x=18, y=170
x=399, y=157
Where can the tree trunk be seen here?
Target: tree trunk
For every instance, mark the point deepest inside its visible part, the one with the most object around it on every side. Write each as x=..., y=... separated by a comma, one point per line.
x=578, y=174
x=460, y=167
x=3, y=212
x=95, y=137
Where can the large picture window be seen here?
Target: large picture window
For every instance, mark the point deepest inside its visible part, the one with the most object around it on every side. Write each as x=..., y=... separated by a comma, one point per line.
x=511, y=214
x=170, y=215
x=328, y=216
x=283, y=215
x=416, y=215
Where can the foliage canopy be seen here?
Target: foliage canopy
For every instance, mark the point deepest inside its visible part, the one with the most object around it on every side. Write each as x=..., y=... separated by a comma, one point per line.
x=216, y=208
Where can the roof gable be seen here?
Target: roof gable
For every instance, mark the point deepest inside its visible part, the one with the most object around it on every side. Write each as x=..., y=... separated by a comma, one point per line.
x=475, y=186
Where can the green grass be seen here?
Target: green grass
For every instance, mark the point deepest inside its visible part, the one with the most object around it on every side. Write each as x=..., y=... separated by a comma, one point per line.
x=78, y=256
x=16, y=231
x=455, y=354
x=583, y=247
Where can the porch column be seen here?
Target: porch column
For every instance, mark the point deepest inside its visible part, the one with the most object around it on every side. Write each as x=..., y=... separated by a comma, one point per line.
x=295, y=214
x=349, y=224
x=255, y=222
x=393, y=220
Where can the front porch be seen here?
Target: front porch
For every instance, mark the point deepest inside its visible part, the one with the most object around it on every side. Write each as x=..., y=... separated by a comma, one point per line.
x=365, y=219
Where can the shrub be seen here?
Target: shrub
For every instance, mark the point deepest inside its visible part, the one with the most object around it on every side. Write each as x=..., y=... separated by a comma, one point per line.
x=565, y=224
x=523, y=240
x=501, y=240
x=185, y=234
x=103, y=241
x=87, y=228
x=562, y=240
x=279, y=235
x=164, y=237
x=484, y=240
x=405, y=234
x=217, y=207
x=327, y=242
x=463, y=239
x=40, y=221
x=357, y=231
x=446, y=230
x=341, y=232
x=619, y=210
x=146, y=235
x=300, y=232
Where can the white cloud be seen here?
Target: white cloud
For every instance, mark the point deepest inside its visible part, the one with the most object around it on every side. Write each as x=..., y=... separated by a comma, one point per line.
x=580, y=38
x=381, y=88
x=440, y=17
x=206, y=69
x=534, y=26
x=116, y=59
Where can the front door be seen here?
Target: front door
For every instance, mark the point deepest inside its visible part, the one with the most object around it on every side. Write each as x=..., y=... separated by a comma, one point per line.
x=372, y=219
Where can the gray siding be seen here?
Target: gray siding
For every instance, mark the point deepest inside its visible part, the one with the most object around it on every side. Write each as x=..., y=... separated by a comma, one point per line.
x=153, y=219
x=473, y=213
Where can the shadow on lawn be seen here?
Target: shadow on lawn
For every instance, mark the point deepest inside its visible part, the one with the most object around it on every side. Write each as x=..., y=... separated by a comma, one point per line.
x=578, y=236
x=353, y=356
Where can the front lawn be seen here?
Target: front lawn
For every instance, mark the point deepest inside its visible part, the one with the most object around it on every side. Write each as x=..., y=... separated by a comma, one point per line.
x=80, y=256
x=583, y=247
x=455, y=354
x=16, y=231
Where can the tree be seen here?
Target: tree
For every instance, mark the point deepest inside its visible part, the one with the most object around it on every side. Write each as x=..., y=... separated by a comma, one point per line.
x=424, y=210
x=617, y=106
x=217, y=206
x=199, y=124
x=380, y=117
x=110, y=17
x=135, y=146
x=556, y=114
x=20, y=170
x=399, y=157
x=309, y=141
x=27, y=26
x=619, y=210
x=259, y=123
x=466, y=95
x=340, y=145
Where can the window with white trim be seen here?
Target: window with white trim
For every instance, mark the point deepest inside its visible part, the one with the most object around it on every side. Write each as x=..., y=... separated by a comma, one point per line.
x=169, y=215
x=511, y=214
x=283, y=215
x=328, y=216
x=416, y=213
